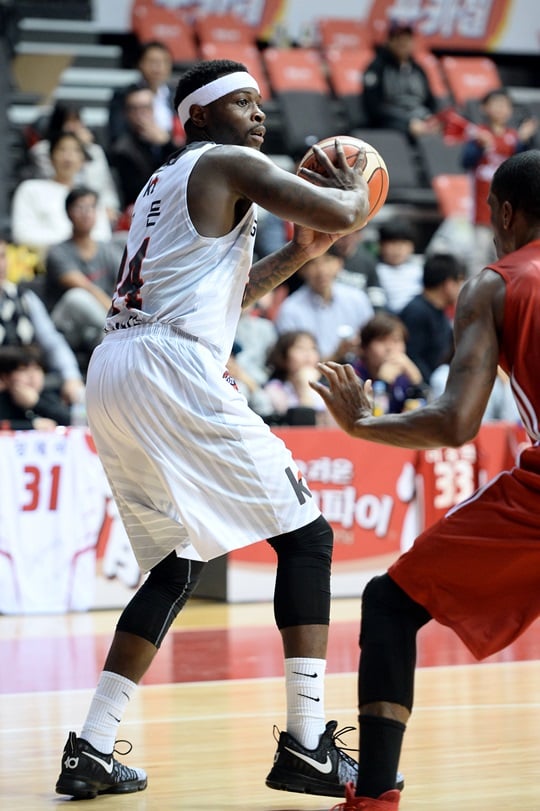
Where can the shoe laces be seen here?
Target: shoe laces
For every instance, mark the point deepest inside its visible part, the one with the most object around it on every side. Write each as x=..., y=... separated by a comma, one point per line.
x=340, y=745
x=119, y=751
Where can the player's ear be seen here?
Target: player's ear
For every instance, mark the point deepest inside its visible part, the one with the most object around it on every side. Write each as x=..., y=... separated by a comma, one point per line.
x=507, y=214
x=198, y=114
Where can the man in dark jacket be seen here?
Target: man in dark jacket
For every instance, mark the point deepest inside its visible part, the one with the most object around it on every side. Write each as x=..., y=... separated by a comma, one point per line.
x=143, y=148
x=396, y=93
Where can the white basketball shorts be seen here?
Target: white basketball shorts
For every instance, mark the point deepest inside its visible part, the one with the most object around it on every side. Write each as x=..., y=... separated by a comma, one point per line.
x=191, y=467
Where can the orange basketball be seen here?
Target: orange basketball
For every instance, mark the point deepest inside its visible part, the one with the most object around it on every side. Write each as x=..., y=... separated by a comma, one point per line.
x=375, y=172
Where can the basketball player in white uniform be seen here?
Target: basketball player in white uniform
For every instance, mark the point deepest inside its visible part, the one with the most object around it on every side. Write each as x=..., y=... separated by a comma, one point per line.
x=194, y=472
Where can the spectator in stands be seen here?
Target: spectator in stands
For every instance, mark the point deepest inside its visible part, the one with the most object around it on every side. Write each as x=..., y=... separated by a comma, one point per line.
x=25, y=403
x=287, y=397
x=81, y=275
x=383, y=358
x=360, y=267
x=95, y=171
x=399, y=269
x=491, y=143
x=426, y=316
x=396, y=93
x=139, y=151
x=24, y=320
x=325, y=307
x=39, y=217
x=155, y=67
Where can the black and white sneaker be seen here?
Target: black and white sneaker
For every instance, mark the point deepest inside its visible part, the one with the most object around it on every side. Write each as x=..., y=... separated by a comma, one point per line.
x=323, y=771
x=86, y=772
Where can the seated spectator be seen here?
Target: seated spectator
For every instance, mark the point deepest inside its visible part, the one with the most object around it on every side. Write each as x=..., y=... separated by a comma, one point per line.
x=325, y=307
x=426, y=316
x=24, y=320
x=382, y=357
x=155, y=68
x=80, y=276
x=95, y=172
x=142, y=148
x=396, y=93
x=287, y=398
x=491, y=142
x=39, y=217
x=360, y=267
x=25, y=403
x=399, y=269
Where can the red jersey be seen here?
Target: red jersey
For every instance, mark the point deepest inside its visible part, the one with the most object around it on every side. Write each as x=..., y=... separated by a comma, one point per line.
x=520, y=342
x=477, y=569
x=503, y=146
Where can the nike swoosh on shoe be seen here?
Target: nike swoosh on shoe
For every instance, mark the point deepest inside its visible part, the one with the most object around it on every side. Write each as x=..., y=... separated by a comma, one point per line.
x=107, y=765
x=323, y=768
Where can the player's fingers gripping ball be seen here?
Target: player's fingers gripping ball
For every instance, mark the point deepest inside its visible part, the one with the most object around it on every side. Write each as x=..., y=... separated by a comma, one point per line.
x=374, y=170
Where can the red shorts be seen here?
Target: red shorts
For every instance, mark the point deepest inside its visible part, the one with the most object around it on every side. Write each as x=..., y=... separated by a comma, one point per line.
x=477, y=570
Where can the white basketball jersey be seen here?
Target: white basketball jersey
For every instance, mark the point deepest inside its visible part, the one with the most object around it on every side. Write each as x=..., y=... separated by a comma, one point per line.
x=170, y=274
x=52, y=505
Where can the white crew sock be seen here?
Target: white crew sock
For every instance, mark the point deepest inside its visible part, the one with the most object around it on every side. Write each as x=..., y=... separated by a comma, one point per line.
x=304, y=682
x=111, y=698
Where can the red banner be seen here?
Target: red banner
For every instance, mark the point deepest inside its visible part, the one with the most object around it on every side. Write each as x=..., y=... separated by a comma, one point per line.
x=445, y=24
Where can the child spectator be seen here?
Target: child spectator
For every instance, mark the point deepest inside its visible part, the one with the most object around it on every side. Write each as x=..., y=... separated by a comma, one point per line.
x=24, y=401
x=383, y=358
x=493, y=141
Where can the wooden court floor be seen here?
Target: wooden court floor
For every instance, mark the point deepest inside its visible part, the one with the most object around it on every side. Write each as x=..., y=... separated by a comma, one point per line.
x=201, y=723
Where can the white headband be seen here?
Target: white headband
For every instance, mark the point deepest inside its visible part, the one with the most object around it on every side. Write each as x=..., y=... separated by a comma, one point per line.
x=215, y=90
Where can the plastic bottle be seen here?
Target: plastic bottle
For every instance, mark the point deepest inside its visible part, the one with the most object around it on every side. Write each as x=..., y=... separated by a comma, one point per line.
x=381, y=400
x=78, y=412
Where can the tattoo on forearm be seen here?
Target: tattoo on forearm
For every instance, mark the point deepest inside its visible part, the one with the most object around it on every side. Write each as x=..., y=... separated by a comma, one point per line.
x=266, y=274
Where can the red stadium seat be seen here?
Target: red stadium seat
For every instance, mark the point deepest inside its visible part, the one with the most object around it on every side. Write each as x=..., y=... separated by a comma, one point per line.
x=470, y=77
x=224, y=29
x=346, y=76
x=346, y=69
x=295, y=69
x=432, y=68
x=343, y=33
x=298, y=82
x=453, y=193
x=152, y=22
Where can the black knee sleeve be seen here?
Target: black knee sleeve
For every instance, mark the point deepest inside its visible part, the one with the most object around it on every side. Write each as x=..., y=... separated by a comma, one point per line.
x=390, y=622
x=302, y=591
x=152, y=610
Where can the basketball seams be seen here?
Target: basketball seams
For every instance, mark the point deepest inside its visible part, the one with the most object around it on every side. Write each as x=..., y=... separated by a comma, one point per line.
x=377, y=179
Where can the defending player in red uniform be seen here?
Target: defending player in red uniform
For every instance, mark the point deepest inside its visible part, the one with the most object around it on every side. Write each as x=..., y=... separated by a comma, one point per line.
x=476, y=570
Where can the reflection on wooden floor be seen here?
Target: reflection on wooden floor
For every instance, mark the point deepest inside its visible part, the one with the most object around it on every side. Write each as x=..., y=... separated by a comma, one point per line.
x=202, y=723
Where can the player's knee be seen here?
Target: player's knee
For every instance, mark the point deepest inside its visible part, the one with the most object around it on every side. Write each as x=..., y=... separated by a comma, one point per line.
x=315, y=540
x=159, y=600
x=386, y=605
x=302, y=592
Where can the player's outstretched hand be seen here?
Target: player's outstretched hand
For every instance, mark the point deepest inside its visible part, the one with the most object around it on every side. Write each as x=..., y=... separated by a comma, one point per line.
x=346, y=396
